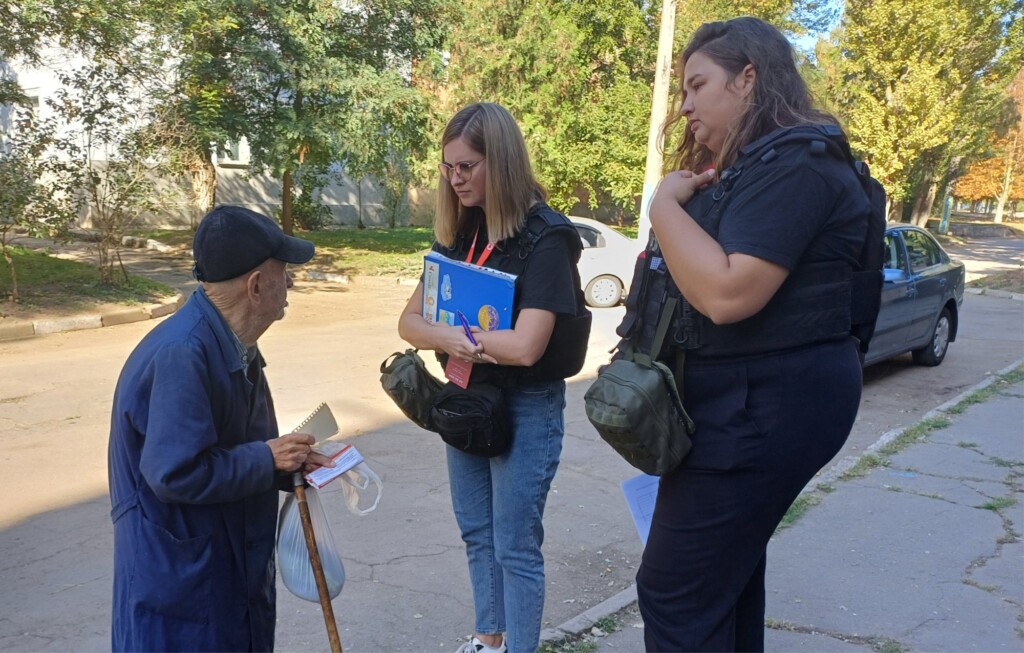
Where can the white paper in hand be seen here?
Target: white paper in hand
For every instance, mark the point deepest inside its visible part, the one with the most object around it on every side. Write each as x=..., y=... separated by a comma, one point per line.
x=345, y=458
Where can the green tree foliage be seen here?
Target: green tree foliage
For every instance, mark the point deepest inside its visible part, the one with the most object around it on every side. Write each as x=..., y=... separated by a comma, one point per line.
x=912, y=78
x=576, y=75
x=793, y=16
x=109, y=154
x=27, y=27
x=198, y=50
x=34, y=183
x=313, y=64
x=385, y=127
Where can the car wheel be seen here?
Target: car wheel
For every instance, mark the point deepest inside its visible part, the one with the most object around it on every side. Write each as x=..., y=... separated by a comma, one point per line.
x=933, y=354
x=604, y=291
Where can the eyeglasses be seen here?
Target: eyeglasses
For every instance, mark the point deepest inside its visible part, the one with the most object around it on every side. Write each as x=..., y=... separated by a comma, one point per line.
x=463, y=169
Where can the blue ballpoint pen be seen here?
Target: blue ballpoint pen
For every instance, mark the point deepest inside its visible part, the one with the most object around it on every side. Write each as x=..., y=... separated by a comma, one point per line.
x=465, y=326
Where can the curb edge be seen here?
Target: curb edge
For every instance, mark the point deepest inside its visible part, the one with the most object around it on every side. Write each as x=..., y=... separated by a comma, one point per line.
x=23, y=329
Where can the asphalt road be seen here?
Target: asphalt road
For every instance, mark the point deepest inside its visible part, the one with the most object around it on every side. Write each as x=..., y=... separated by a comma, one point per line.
x=55, y=394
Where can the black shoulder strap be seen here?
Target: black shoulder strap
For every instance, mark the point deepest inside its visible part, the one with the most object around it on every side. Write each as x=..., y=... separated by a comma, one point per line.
x=539, y=221
x=821, y=139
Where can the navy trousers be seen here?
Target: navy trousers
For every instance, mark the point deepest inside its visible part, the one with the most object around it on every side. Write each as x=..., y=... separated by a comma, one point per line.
x=765, y=426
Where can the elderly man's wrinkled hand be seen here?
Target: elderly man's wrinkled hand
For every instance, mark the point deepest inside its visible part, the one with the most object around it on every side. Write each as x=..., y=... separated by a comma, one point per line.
x=291, y=451
x=316, y=460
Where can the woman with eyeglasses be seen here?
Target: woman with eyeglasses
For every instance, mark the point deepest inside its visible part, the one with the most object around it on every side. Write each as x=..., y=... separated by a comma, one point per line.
x=486, y=197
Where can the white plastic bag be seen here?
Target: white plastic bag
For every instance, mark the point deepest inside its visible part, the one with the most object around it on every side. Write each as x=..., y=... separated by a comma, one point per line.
x=357, y=481
x=293, y=556
x=357, y=478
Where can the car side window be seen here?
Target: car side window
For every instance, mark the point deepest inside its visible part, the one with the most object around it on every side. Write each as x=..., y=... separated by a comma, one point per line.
x=921, y=249
x=590, y=237
x=894, y=258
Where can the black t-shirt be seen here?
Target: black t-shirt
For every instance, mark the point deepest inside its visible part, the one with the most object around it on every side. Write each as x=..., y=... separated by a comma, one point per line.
x=803, y=210
x=546, y=283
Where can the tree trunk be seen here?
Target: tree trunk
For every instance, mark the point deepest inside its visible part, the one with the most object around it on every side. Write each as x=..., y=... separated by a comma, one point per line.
x=359, y=194
x=286, y=203
x=204, y=184
x=1004, y=188
x=10, y=264
x=923, y=205
x=287, y=223
x=895, y=212
x=1000, y=205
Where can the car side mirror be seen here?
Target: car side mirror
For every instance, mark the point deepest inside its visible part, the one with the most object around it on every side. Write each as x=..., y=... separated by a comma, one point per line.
x=893, y=274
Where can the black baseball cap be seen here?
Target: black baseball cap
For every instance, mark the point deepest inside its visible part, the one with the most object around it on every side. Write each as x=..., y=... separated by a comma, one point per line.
x=231, y=241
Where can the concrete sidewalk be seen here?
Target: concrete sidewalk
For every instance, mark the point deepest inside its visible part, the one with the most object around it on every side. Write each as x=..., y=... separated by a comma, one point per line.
x=923, y=554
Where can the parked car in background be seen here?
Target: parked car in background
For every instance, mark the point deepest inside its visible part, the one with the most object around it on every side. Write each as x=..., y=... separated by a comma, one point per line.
x=922, y=293
x=606, y=265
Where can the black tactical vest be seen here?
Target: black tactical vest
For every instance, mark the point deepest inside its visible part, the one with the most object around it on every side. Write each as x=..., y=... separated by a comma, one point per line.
x=815, y=303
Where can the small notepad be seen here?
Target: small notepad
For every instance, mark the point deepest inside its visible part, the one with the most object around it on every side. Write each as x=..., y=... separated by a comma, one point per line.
x=320, y=423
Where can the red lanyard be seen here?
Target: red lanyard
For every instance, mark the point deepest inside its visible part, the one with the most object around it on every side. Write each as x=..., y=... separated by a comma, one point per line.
x=472, y=250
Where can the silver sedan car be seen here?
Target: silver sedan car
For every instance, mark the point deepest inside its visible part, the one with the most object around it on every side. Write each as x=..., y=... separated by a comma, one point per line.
x=606, y=265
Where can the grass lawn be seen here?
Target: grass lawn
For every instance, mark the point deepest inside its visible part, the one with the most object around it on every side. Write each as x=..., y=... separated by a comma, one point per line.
x=345, y=250
x=48, y=284
x=371, y=252
x=1010, y=281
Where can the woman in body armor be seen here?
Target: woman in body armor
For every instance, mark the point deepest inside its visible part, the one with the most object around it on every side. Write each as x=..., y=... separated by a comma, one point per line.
x=760, y=243
x=487, y=199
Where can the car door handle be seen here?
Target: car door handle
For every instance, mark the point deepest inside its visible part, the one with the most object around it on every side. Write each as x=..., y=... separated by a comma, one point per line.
x=911, y=291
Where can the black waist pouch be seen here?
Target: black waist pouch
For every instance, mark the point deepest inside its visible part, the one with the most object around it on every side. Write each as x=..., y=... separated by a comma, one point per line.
x=474, y=420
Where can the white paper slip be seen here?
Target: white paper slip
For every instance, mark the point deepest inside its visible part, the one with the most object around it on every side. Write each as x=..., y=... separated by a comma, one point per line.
x=344, y=459
x=641, y=493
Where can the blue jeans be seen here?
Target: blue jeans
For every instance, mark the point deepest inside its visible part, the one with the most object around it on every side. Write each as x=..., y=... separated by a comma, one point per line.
x=499, y=504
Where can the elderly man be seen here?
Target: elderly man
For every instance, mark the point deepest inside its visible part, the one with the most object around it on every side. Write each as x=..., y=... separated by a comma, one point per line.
x=195, y=460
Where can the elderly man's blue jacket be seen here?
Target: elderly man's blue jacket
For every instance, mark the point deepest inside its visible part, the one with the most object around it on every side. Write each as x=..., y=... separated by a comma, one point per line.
x=193, y=492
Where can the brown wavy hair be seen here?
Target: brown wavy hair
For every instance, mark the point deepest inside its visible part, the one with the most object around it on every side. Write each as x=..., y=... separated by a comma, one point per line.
x=780, y=97
x=510, y=188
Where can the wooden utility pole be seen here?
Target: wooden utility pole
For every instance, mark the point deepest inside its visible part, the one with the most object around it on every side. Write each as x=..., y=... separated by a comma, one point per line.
x=659, y=110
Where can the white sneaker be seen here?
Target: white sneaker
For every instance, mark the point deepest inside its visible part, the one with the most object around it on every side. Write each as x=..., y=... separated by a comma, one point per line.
x=474, y=645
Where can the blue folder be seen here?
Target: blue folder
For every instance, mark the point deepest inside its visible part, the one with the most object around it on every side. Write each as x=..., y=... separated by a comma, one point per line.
x=485, y=296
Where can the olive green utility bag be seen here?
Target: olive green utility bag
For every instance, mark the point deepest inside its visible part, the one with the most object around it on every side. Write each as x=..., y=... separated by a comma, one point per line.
x=635, y=406
x=412, y=387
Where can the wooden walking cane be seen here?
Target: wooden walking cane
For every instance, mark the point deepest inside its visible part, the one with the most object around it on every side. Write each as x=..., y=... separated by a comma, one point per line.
x=314, y=561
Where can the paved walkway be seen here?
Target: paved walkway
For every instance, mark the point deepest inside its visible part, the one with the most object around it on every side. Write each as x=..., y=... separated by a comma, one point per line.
x=923, y=554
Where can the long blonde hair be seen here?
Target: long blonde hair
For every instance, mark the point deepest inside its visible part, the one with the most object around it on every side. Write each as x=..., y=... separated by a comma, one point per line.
x=780, y=97
x=510, y=188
